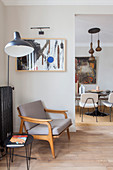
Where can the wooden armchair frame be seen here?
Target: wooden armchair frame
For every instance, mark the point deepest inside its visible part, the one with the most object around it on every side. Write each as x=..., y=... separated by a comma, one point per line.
x=48, y=137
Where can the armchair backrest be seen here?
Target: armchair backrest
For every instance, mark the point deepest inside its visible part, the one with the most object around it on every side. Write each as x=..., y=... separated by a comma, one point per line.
x=33, y=110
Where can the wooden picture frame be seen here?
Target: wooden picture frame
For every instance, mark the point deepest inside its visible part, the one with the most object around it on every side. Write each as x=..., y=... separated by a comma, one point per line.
x=48, y=55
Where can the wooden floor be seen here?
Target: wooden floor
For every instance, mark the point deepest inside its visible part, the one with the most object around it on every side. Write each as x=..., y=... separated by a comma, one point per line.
x=90, y=148
x=90, y=120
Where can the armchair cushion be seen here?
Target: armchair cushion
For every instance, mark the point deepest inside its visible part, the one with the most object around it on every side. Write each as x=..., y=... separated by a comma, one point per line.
x=58, y=125
x=33, y=110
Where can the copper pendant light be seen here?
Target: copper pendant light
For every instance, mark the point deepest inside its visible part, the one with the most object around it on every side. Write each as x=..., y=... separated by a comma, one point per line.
x=98, y=47
x=91, y=51
x=92, y=58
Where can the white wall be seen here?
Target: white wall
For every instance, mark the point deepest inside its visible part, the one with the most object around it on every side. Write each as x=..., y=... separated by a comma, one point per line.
x=2, y=57
x=104, y=67
x=55, y=89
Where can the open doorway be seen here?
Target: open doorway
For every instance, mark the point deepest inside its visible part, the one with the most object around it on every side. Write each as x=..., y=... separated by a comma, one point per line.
x=103, y=66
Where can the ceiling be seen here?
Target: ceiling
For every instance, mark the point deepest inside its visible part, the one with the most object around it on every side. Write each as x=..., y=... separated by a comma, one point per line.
x=84, y=22
x=57, y=2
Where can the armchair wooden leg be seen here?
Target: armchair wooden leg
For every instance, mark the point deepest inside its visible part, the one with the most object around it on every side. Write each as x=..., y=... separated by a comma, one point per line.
x=52, y=146
x=68, y=134
x=21, y=127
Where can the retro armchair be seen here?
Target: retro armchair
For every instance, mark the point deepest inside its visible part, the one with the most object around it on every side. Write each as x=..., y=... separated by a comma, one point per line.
x=35, y=122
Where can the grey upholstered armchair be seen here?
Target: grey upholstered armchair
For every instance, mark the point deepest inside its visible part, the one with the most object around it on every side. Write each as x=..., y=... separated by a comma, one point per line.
x=35, y=122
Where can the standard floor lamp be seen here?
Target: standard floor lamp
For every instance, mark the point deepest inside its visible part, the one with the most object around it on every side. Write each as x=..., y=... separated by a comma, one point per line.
x=17, y=48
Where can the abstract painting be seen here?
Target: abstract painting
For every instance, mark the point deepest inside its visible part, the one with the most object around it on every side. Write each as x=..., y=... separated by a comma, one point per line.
x=85, y=70
x=48, y=55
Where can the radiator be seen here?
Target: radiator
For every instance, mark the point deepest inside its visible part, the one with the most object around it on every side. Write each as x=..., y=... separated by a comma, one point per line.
x=6, y=113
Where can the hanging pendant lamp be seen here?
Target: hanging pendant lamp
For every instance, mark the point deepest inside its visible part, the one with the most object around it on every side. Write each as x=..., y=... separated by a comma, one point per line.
x=91, y=51
x=91, y=58
x=18, y=47
x=98, y=47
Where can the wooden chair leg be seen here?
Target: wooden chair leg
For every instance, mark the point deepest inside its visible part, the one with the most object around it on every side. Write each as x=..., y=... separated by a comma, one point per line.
x=52, y=146
x=68, y=134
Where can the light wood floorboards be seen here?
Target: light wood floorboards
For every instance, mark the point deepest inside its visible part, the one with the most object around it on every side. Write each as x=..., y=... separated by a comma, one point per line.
x=90, y=120
x=90, y=148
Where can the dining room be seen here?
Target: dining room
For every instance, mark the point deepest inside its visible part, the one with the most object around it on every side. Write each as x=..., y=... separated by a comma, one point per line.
x=94, y=67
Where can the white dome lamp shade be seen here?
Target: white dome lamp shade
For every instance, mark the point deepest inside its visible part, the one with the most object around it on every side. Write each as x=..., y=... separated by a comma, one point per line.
x=18, y=47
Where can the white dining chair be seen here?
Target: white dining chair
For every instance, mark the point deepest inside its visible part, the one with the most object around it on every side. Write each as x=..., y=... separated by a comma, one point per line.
x=109, y=104
x=88, y=100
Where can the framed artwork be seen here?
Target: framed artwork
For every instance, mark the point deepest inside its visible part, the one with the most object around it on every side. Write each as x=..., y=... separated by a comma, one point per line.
x=85, y=70
x=48, y=55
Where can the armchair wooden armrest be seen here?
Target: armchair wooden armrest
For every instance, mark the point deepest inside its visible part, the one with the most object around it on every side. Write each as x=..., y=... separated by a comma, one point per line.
x=33, y=120
x=57, y=111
